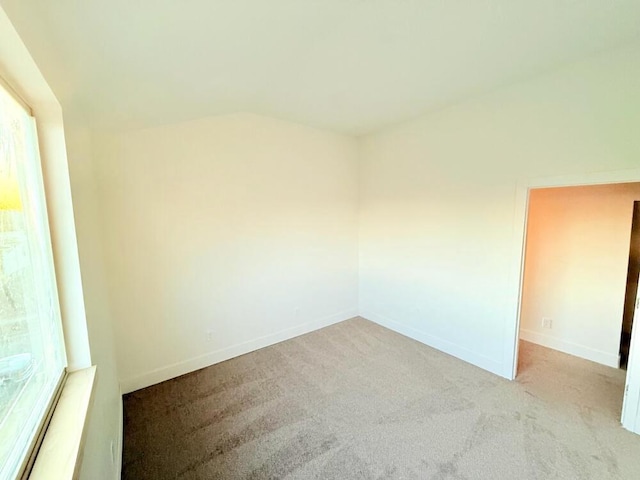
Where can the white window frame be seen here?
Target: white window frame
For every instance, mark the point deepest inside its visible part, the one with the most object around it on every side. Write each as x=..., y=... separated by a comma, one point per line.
x=59, y=454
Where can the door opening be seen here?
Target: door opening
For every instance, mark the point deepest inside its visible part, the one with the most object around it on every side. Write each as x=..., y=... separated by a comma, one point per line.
x=597, y=331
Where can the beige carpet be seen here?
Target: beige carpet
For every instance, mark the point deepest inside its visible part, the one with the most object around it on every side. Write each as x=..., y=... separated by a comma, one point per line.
x=357, y=401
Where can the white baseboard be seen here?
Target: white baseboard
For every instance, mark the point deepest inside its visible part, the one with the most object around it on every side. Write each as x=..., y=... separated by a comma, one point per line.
x=186, y=366
x=445, y=346
x=598, y=356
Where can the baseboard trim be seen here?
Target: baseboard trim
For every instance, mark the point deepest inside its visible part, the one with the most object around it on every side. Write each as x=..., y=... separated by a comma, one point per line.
x=445, y=346
x=571, y=348
x=186, y=366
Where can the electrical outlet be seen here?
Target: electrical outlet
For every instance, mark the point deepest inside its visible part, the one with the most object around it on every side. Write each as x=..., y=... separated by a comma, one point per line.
x=210, y=336
x=113, y=453
x=547, y=323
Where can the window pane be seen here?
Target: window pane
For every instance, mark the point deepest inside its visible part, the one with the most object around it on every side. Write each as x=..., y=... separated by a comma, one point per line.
x=32, y=356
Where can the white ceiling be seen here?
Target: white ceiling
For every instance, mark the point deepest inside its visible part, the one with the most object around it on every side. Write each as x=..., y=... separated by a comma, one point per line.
x=347, y=65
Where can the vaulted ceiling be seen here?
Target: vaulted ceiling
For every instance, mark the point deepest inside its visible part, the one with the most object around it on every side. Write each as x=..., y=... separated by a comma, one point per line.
x=346, y=65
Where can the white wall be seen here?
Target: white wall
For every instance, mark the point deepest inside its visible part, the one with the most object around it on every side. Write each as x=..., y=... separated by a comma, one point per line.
x=576, y=268
x=438, y=197
x=104, y=428
x=224, y=235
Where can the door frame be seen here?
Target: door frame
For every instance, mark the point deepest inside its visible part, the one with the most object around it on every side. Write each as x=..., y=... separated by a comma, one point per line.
x=631, y=407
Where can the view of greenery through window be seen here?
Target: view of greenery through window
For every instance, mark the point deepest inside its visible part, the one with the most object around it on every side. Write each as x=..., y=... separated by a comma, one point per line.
x=31, y=350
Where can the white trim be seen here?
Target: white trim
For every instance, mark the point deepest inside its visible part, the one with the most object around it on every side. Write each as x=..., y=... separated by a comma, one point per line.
x=120, y=445
x=631, y=404
x=549, y=341
x=16, y=96
x=441, y=344
x=57, y=188
x=196, y=363
x=593, y=178
x=514, y=299
x=60, y=454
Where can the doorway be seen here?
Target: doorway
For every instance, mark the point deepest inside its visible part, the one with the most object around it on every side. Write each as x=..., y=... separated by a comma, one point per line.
x=575, y=274
x=631, y=402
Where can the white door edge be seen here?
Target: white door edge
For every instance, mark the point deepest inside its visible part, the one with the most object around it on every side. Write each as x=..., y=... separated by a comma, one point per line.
x=631, y=402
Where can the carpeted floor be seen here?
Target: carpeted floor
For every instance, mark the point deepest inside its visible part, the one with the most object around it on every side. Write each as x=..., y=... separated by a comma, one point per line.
x=357, y=401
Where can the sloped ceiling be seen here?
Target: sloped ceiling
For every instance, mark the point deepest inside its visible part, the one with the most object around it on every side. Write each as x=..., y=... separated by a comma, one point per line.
x=346, y=65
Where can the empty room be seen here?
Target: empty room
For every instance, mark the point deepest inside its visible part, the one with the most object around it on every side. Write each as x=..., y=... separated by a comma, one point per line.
x=300, y=239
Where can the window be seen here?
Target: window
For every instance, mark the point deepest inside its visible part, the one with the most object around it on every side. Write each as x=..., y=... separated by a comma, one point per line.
x=32, y=356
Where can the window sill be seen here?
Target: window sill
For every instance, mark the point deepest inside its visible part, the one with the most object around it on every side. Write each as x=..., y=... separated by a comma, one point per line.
x=61, y=450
